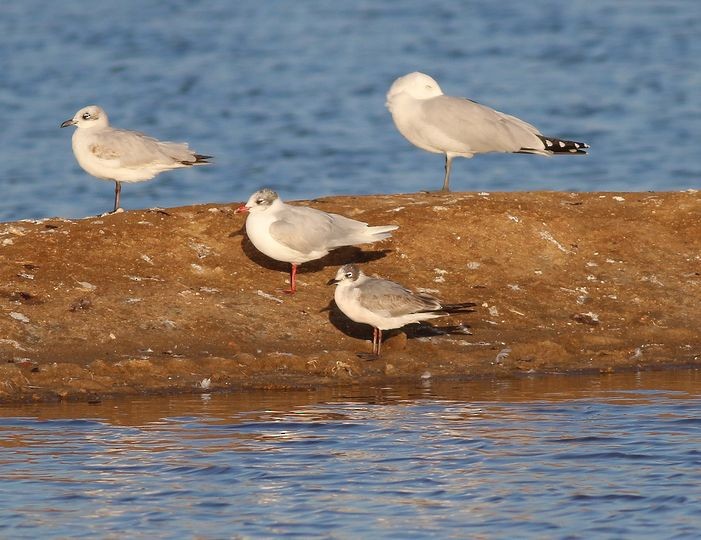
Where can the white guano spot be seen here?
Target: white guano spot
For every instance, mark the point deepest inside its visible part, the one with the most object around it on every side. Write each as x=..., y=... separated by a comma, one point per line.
x=13, y=343
x=19, y=317
x=269, y=296
x=548, y=237
x=502, y=355
x=440, y=277
x=86, y=286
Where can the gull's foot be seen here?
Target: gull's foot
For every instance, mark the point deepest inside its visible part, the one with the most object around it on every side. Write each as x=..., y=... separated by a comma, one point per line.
x=287, y=291
x=368, y=356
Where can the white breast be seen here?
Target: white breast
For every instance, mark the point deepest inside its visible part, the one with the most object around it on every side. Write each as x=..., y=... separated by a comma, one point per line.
x=257, y=229
x=108, y=169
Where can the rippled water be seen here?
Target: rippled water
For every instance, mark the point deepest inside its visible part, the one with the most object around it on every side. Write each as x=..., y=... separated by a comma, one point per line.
x=291, y=94
x=604, y=457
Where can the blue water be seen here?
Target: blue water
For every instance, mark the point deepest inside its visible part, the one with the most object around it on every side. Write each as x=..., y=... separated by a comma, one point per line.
x=581, y=457
x=291, y=94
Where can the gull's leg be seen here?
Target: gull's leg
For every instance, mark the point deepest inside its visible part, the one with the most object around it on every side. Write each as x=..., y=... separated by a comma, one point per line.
x=293, y=279
x=379, y=342
x=446, y=178
x=376, y=333
x=117, y=194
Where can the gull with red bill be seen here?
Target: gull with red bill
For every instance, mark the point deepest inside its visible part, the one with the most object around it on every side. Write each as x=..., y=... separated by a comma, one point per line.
x=298, y=234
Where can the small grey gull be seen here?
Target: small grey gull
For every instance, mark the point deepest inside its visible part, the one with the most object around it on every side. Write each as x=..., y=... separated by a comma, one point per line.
x=384, y=304
x=122, y=155
x=298, y=234
x=460, y=127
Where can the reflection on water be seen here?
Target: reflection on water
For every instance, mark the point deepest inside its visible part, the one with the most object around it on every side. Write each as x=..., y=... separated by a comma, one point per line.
x=612, y=456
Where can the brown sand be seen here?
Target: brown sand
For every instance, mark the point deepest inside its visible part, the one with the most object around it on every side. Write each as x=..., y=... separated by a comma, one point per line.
x=176, y=300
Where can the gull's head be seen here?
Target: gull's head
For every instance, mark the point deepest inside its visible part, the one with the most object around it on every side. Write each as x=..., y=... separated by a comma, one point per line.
x=415, y=85
x=88, y=117
x=260, y=201
x=346, y=274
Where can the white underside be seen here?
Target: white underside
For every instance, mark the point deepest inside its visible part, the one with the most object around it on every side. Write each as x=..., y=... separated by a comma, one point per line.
x=346, y=297
x=112, y=169
x=257, y=229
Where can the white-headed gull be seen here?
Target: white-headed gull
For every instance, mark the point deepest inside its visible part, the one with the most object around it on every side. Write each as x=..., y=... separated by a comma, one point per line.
x=384, y=304
x=460, y=127
x=298, y=234
x=121, y=155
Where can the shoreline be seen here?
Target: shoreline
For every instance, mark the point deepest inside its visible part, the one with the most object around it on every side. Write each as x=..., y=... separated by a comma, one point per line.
x=162, y=301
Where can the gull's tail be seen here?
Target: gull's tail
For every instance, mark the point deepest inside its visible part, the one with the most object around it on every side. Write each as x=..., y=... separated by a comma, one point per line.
x=380, y=232
x=561, y=146
x=200, y=159
x=441, y=310
x=464, y=307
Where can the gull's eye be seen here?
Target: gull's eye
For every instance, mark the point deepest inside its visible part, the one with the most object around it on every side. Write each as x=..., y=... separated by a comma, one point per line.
x=260, y=201
x=349, y=274
x=86, y=116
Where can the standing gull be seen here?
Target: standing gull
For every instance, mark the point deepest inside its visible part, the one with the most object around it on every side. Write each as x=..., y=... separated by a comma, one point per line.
x=122, y=155
x=297, y=234
x=460, y=127
x=384, y=304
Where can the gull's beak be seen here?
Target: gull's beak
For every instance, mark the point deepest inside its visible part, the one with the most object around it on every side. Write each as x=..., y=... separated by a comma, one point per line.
x=333, y=281
x=67, y=123
x=240, y=210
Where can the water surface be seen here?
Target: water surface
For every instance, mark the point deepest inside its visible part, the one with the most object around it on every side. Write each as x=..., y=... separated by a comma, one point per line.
x=566, y=457
x=291, y=94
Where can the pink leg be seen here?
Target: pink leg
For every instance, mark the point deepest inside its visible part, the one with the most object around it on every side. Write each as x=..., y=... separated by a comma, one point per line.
x=293, y=280
x=379, y=341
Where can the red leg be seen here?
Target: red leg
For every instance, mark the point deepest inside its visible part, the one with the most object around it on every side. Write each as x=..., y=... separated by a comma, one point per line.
x=293, y=280
x=376, y=338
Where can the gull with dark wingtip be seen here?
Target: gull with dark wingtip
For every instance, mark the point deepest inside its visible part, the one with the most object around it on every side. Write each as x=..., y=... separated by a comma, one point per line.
x=385, y=304
x=122, y=155
x=460, y=127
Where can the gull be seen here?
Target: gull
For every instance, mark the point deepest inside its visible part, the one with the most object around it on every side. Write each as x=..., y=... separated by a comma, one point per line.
x=384, y=304
x=122, y=155
x=298, y=234
x=460, y=127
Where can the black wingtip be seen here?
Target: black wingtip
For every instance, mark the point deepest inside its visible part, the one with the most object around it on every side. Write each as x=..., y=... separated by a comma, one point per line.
x=201, y=158
x=561, y=146
x=464, y=307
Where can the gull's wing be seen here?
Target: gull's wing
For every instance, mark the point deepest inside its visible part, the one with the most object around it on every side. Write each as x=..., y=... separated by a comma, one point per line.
x=390, y=299
x=477, y=127
x=303, y=229
x=307, y=229
x=133, y=149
